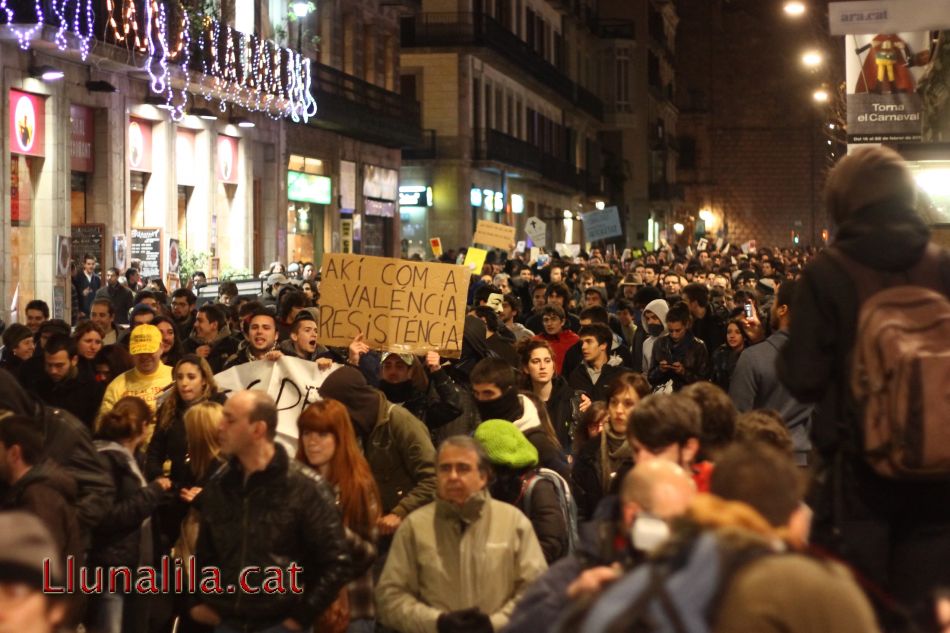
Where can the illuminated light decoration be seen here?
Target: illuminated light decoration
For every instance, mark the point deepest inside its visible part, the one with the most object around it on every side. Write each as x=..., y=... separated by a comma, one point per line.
x=244, y=70
x=24, y=36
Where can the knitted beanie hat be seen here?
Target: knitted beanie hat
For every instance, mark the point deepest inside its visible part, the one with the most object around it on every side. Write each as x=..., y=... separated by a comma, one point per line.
x=505, y=445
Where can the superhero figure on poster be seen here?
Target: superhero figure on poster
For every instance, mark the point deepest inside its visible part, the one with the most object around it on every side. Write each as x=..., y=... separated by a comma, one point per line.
x=886, y=68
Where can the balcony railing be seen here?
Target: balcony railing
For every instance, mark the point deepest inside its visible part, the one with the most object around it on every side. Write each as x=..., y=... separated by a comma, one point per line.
x=425, y=149
x=475, y=29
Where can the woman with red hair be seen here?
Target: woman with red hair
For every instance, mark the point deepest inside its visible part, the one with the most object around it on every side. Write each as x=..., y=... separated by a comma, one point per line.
x=326, y=442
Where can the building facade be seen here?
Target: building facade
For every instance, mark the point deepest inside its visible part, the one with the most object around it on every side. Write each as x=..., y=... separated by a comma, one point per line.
x=165, y=137
x=508, y=94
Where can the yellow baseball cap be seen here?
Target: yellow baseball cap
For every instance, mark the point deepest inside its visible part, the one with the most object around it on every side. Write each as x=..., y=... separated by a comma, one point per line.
x=145, y=339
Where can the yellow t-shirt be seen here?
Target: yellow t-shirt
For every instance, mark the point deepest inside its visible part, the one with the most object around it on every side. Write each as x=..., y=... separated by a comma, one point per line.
x=132, y=383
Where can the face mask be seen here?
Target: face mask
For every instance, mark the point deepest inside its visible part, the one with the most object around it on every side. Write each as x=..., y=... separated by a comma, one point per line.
x=648, y=532
x=507, y=407
x=654, y=329
x=396, y=392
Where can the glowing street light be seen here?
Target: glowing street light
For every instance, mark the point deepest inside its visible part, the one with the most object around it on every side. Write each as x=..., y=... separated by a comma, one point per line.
x=820, y=96
x=678, y=228
x=794, y=8
x=812, y=59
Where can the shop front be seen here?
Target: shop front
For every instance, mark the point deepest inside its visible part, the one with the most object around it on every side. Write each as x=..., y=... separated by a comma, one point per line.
x=414, y=204
x=309, y=193
x=380, y=192
x=27, y=148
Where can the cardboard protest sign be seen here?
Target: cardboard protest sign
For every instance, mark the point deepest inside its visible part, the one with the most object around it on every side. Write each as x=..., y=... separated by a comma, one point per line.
x=494, y=234
x=475, y=259
x=535, y=254
x=601, y=225
x=702, y=244
x=293, y=383
x=398, y=306
x=436, y=244
x=537, y=231
x=520, y=246
x=568, y=250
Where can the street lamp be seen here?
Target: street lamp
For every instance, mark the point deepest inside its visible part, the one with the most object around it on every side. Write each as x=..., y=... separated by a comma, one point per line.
x=678, y=228
x=794, y=8
x=301, y=9
x=820, y=96
x=812, y=59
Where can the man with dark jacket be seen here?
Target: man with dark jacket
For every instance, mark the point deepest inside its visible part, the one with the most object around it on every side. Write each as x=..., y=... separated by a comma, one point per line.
x=64, y=384
x=121, y=297
x=183, y=310
x=86, y=284
x=211, y=338
x=678, y=356
x=268, y=511
x=896, y=533
x=706, y=324
x=595, y=372
x=37, y=485
x=68, y=443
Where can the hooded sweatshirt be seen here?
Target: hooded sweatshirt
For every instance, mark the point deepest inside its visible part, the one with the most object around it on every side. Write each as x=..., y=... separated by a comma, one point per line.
x=659, y=307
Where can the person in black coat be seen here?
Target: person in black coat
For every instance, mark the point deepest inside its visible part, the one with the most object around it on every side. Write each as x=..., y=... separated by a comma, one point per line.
x=125, y=536
x=427, y=392
x=86, y=284
x=66, y=383
x=564, y=406
x=68, y=443
x=596, y=372
x=895, y=533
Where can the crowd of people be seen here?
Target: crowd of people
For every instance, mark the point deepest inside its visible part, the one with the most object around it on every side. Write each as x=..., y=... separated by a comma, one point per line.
x=660, y=441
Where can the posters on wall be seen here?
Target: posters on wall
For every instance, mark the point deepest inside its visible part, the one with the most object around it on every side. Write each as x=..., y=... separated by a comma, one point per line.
x=398, y=306
x=119, y=253
x=147, y=249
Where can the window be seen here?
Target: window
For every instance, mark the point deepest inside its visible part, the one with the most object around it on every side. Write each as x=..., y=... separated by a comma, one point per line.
x=489, y=110
x=687, y=157
x=622, y=66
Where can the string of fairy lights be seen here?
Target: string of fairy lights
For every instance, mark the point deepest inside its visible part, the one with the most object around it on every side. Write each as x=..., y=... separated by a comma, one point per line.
x=238, y=68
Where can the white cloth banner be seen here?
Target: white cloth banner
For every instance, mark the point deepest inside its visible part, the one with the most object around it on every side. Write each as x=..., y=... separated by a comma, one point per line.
x=293, y=383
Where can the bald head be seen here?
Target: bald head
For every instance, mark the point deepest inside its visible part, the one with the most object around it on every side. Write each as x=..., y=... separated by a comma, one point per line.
x=659, y=487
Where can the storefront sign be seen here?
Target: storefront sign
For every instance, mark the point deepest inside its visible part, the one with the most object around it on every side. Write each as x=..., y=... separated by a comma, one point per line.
x=398, y=306
x=346, y=236
x=119, y=252
x=185, y=168
x=347, y=186
x=601, y=225
x=174, y=260
x=878, y=16
x=59, y=302
x=82, y=133
x=488, y=199
x=303, y=187
x=147, y=248
x=494, y=234
x=415, y=196
x=62, y=256
x=380, y=183
x=293, y=383
x=227, y=159
x=27, y=123
x=140, y=145
x=882, y=73
x=379, y=208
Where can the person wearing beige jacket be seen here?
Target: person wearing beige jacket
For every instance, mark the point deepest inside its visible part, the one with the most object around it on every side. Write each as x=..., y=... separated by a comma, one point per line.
x=460, y=563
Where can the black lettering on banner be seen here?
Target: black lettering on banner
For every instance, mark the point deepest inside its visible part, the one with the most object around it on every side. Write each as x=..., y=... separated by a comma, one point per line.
x=281, y=404
x=410, y=306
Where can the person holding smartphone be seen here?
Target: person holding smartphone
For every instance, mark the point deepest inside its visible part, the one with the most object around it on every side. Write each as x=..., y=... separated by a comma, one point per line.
x=679, y=358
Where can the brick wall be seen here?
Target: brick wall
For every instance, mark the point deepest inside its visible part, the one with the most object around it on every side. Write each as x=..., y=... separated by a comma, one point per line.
x=746, y=100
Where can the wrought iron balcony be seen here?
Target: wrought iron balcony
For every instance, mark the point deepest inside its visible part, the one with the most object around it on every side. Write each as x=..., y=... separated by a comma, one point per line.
x=362, y=110
x=476, y=29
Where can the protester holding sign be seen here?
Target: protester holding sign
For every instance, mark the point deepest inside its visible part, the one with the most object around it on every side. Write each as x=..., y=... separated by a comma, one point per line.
x=260, y=341
x=395, y=442
x=427, y=391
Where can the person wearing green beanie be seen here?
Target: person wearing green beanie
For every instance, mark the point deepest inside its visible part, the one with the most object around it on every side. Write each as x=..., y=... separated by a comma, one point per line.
x=540, y=493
